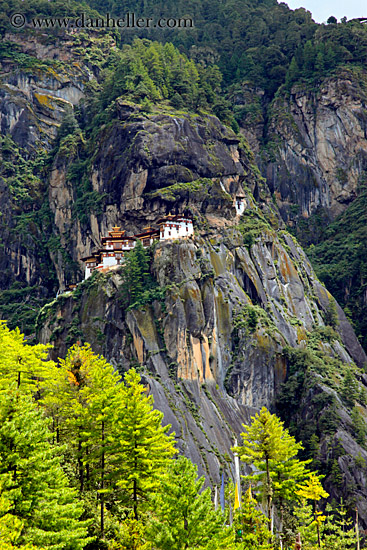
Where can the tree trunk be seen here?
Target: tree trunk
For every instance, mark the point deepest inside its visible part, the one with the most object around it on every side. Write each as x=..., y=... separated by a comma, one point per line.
x=135, y=488
x=268, y=494
x=102, y=481
x=135, y=498
x=80, y=465
x=318, y=527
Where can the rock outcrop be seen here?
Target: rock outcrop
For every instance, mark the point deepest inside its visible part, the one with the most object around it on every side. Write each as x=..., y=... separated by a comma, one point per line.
x=146, y=165
x=320, y=146
x=218, y=346
x=242, y=320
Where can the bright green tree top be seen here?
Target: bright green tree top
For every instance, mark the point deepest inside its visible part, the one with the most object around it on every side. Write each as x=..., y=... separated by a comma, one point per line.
x=144, y=444
x=185, y=515
x=37, y=487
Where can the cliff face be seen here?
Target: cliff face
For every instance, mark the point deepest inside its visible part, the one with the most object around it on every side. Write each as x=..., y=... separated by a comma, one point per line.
x=242, y=320
x=316, y=143
x=220, y=344
x=146, y=164
x=41, y=81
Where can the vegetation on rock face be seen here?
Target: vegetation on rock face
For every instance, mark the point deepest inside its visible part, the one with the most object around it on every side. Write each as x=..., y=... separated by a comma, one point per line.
x=340, y=260
x=138, y=286
x=154, y=72
x=24, y=221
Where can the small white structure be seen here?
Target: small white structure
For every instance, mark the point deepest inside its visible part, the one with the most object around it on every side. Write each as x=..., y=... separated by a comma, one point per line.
x=239, y=204
x=175, y=227
x=91, y=263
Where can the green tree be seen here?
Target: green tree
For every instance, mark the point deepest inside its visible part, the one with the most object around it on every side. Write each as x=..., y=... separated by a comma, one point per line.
x=339, y=533
x=144, y=444
x=331, y=314
x=349, y=388
x=306, y=526
x=21, y=364
x=312, y=490
x=36, y=485
x=251, y=525
x=269, y=446
x=137, y=280
x=102, y=395
x=184, y=514
x=359, y=426
x=86, y=400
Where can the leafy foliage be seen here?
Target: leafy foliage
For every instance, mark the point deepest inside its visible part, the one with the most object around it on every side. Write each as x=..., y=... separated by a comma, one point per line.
x=103, y=436
x=37, y=487
x=272, y=450
x=138, y=287
x=185, y=514
x=147, y=72
x=340, y=261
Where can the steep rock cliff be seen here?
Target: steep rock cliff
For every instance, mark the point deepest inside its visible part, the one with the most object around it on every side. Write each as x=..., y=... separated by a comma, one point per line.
x=144, y=165
x=221, y=343
x=41, y=81
x=243, y=312
x=319, y=141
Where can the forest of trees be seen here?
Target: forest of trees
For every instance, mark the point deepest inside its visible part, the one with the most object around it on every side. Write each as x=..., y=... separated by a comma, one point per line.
x=87, y=463
x=261, y=42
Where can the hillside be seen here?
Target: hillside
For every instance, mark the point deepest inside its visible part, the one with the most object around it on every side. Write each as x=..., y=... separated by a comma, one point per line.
x=99, y=131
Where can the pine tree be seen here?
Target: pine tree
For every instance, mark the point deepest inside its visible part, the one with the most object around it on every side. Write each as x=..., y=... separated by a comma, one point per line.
x=331, y=314
x=313, y=490
x=185, y=515
x=104, y=404
x=306, y=525
x=349, y=389
x=359, y=426
x=251, y=525
x=36, y=486
x=339, y=531
x=135, y=275
x=144, y=445
x=293, y=73
x=86, y=401
x=21, y=364
x=268, y=445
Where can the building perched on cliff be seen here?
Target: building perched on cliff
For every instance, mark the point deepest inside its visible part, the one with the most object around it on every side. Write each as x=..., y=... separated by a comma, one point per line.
x=117, y=242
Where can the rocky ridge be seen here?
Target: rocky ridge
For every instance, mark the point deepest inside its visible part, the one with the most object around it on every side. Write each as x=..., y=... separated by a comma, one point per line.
x=316, y=148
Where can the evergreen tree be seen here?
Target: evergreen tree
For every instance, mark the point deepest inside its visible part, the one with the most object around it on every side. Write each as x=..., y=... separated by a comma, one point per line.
x=251, y=526
x=137, y=280
x=312, y=490
x=306, y=525
x=86, y=401
x=36, y=485
x=292, y=74
x=185, y=515
x=144, y=445
x=268, y=445
x=339, y=531
x=104, y=404
x=349, y=388
x=331, y=314
x=22, y=364
x=359, y=426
